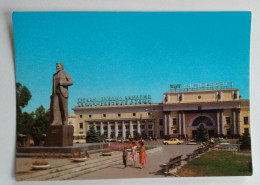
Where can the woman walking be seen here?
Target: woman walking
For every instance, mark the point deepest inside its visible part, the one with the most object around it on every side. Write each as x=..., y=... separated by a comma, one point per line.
x=142, y=155
x=134, y=154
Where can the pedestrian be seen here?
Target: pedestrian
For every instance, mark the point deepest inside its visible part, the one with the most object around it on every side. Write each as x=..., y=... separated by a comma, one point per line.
x=133, y=157
x=142, y=157
x=125, y=153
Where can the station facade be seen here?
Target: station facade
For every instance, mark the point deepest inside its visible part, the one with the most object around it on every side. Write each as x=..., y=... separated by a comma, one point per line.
x=221, y=111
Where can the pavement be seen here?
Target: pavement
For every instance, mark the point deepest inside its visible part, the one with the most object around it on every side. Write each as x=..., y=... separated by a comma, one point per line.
x=152, y=167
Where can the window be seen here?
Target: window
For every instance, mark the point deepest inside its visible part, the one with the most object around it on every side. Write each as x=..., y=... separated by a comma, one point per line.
x=142, y=126
x=150, y=133
x=228, y=132
x=120, y=134
x=90, y=116
x=227, y=120
x=80, y=116
x=161, y=133
x=98, y=127
x=127, y=126
x=150, y=126
x=104, y=115
x=174, y=131
x=246, y=130
x=246, y=120
x=149, y=113
x=120, y=127
x=134, y=114
x=81, y=125
x=160, y=121
x=135, y=126
x=112, y=127
x=119, y=115
x=174, y=121
x=105, y=134
x=105, y=127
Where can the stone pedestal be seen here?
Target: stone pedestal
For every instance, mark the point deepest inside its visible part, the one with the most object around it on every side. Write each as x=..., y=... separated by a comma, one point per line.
x=59, y=135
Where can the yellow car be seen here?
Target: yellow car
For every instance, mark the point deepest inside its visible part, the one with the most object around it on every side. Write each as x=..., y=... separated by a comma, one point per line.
x=172, y=141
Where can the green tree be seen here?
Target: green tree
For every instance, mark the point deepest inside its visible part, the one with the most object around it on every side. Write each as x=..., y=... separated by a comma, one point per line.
x=41, y=120
x=24, y=121
x=92, y=136
x=201, y=134
x=246, y=141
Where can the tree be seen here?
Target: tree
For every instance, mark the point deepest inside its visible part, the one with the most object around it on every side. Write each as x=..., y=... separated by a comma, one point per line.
x=246, y=141
x=24, y=120
x=41, y=120
x=201, y=134
x=92, y=136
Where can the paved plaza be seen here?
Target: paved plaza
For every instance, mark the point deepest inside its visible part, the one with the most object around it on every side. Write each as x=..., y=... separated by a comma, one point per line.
x=117, y=170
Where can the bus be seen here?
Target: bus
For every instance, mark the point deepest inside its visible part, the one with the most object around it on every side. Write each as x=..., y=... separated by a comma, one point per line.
x=79, y=138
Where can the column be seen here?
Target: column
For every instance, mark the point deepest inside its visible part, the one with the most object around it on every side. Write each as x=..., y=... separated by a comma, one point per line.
x=238, y=122
x=146, y=127
x=131, y=129
x=108, y=130
x=234, y=123
x=95, y=127
x=165, y=124
x=183, y=124
x=169, y=124
x=101, y=128
x=138, y=127
x=123, y=130
x=87, y=126
x=218, y=124
x=116, y=129
x=222, y=122
x=179, y=123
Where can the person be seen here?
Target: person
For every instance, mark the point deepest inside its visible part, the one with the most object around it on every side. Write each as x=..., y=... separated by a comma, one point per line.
x=125, y=154
x=134, y=154
x=142, y=157
x=59, y=97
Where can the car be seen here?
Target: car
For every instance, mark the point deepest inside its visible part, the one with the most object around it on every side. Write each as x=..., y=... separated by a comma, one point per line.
x=173, y=141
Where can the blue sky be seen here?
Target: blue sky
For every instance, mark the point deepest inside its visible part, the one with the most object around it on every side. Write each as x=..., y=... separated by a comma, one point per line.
x=130, y=53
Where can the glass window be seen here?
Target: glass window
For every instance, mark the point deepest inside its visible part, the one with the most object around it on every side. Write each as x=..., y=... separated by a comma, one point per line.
x=112, y=127
x=160, y=121
x=120, y=127
x=104, y=115
x=142, y=126
x=105, y=127
x=134, y=114
x=81, y=125
x=227, y=120
x=150, y=133
x=174, y=131
x=245, y=120
x=161, y=133
x=228, y=132
x=150, y=126
x=246, y=130
x=174, y=121
x=127, y=126
x=135, y=126
x=98, y=127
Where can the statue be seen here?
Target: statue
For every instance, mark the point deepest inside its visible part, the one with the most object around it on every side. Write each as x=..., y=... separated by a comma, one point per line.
x=59, y=97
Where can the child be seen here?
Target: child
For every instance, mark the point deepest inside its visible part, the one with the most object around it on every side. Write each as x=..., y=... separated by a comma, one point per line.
x=125, y=153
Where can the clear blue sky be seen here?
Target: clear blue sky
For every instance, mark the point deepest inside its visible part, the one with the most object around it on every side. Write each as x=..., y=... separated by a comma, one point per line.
x=130, y=53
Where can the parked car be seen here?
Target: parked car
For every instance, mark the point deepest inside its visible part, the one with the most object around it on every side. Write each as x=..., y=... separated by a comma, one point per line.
x=172, y=141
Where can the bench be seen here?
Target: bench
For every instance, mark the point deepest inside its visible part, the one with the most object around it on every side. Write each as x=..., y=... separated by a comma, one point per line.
x=173, y=163
x=196, y=152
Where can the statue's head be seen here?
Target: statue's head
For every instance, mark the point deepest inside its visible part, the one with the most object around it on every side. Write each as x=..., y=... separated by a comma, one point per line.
x=59, y=66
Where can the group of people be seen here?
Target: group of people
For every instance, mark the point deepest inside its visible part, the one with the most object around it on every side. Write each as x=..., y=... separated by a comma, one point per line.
x=133, y=155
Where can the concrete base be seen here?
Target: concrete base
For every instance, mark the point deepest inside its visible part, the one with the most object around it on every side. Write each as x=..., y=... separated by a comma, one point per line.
x=60, y=135
x=64, y=151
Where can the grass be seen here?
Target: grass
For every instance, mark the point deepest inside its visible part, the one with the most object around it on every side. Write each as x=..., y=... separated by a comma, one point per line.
x=218, y=163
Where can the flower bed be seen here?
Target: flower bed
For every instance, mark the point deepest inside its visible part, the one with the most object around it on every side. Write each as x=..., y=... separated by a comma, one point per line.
x=40, y=165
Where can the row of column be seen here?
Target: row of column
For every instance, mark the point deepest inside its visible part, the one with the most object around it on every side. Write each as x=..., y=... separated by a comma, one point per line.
x=131, y=129
x=236, y=122
x=168, y=124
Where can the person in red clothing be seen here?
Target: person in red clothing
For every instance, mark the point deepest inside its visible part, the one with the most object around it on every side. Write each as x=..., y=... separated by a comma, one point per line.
x=142, y=156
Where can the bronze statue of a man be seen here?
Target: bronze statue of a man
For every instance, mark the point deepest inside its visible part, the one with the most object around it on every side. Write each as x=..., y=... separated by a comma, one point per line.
x=60, y=94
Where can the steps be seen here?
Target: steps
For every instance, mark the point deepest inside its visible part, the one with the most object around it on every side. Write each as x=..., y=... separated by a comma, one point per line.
x=73, y=170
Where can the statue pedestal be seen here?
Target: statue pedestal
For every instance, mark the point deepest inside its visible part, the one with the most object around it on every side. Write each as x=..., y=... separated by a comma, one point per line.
x=59, y=135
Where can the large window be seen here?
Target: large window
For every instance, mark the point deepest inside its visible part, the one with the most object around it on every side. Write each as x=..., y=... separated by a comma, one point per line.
x=245, y=120
x=227, y=120
x=174, y=121
x=161, y=133
x=246, y=130
x=150, y=126
x=160, y=121
x=81, y=125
